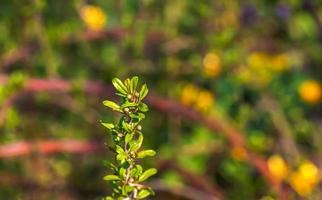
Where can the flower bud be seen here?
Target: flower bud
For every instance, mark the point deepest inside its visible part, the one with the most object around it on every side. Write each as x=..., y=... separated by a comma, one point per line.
x=119, y=135
x=133, y=154
x=139, y=127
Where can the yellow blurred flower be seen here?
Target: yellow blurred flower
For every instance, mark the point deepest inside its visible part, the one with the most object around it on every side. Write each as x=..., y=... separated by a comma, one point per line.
x=309, y=171
x=310, y=92
x=258, y=78
x=261, y=66
x=277, y=166
x=280, y=62
x=257, y=60
x=189, y=95
x=94, y=17
x=260, y=60
x=305, y=179
x=204, y=101
x=238, y=153
x=198, y=98
x=212, y=65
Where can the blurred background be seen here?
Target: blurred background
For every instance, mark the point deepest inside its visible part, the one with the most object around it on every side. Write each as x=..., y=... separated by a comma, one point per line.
x=235, y=96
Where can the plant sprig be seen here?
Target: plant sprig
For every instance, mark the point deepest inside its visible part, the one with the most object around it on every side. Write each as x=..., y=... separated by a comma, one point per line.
x=127, y=135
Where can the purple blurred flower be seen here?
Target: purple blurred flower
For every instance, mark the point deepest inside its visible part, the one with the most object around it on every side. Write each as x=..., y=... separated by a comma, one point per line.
x=248, y=14
x=283, y=11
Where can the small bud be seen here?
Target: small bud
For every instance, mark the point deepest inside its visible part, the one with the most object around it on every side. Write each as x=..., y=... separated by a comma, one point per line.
x=129, y=96
x=133, y=154
x=139, y=127
x=137, y=94
x=126, y=110
x=119, y=135
x=131, y=180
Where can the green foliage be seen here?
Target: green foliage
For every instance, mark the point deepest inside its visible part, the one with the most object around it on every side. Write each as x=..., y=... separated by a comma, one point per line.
x=127, y=136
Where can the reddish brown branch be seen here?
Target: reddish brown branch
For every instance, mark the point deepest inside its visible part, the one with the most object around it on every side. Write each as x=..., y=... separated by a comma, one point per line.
x=235, y=137
x=114, y=34
x=48, y=147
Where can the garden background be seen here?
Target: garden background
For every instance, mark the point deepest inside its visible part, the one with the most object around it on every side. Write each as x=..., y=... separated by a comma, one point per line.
x=235, y=96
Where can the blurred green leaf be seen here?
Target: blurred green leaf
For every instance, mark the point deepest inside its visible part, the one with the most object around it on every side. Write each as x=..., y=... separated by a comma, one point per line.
x=147, y=174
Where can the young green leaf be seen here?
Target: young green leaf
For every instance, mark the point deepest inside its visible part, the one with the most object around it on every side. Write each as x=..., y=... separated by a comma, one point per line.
x=145, y=153
x=127, y=127
x=108, y=125
x=143, y=107
x=109, y=164
x=148, y=173
x=128, y=104
x=128, y=137
x=144, y=193
x=119, y=86
x=127, y=84
x=134, y=83
x=122, y=172
x=119, y=149
x=112, y=105
x=127, y=189
x=111, y=178
x=144, y=91
x=136, y=144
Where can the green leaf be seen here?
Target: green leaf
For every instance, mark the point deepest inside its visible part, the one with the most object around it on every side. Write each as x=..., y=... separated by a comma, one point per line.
x=108, y=125
x=121, y=157
x=145, y=153
x=144, y=91
x=107, y=163
x=141, y=116
x=127, y=127
x=148, y=173
x=127, y=83
x=136, y=171
x=134, y=116
x=134, y=83
x=111, y=178
x=143, y=107
x=128, y=104
x=108, y=198
x=121, y=95
x=119, y=86
x=135, y=145
x=144, y=193
x=121, y=154
x=127, y=189
x=119, y=149
x=129, y=137
x=122, y=172
x=140, y=139
x=112, y=105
